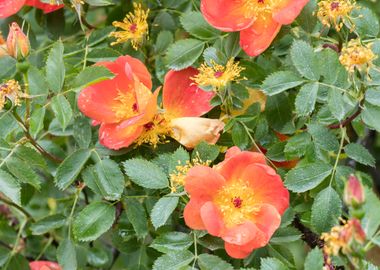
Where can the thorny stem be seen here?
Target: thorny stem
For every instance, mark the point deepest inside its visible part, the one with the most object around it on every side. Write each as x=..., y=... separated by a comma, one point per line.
x=348, y=120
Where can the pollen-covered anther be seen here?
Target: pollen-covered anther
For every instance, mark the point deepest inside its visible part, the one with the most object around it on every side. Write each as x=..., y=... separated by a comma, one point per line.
x=155, y=132
x=336, y=13
x=134, y=27
x=256, y=8
x=10, y=89
x=218, y=76
x=236, y=202
x=356, y=55
x=126, y=105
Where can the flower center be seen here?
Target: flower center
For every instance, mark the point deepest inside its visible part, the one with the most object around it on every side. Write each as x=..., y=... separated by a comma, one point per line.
x=258, y=8
x=236, y=202
x=133, y=27
x=334, y=6
x=156, y=131
x=126, y=105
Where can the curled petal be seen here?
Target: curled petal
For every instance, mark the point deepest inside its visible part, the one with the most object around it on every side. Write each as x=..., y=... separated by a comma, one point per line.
x=203, y=182
x=116, y=136
x=182, y=98
x=267, y=185
x=241, y=234
x=46, y=8
x=225, y=15
x=10, y=7
x=257, y=38
x=290, y=12
x=190, y=131
x=233, y=167
x=267, y=220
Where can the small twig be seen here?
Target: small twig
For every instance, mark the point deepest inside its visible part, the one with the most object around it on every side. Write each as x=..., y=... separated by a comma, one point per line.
x=347, y=121
x=312, y=239
x=10, y=203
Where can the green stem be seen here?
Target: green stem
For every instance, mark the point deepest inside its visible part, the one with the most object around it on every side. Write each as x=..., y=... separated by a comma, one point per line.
x=27, y=100
x=77, y=193
x=15, y=246
x=50, y=240
x=22, y=210
x=195, y=249
x=342, y=139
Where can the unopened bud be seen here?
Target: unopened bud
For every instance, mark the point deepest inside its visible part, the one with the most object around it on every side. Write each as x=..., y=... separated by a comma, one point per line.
x=353, y=192
x=18, y=44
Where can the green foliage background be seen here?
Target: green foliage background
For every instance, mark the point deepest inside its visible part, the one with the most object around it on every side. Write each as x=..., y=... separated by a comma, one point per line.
x=126, y=217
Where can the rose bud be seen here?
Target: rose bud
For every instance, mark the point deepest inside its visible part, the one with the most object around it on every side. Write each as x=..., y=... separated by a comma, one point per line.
x=353, y=192
x=18, y=44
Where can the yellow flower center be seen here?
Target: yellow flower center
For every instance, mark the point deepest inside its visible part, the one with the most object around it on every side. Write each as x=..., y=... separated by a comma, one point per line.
x=335, y=12
x=217, y=75
x=236, y=202
x=134, y=26
x=126, y=105
x=12, y=90
x=356, y=55
x=258, y=8
x=156, y=131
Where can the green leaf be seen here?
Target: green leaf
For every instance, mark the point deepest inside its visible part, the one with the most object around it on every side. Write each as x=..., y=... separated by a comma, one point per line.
x=62, y=110
x=276, y=152
x=239, y=136
x=93, y=221
x=172, y=241
x=372, y=96
x=285, y=235
x=102, y=54
x=184, y=53
x=306, y=98
x=66, y=255
x=70, y=168
x=47, y=224
x=38, y=85
x=366, y=22
x=334, y=74
x=297, y=145
x=31, y=156
x=280, y=81
x=336, y=104
x=10, y=187
x=82, y=131
x=371, y=220
x=306, y=177
x=162, y=210
x=109, y=179
x=360, y=154
x=23, y=172
x=8, y=67
x=137, y=216
x=305, y=60
x=371, y=116
x=173, y=261
x=323, y=137
x=91, y=75
x=272, y=264
x=279, y=113
x=194, y=23
x=179, y=157
x=99, y=3
x=37, y=120
x=306, y=19
x=212, y=262
x=55, y=67
x=145, y=174
x=326, y=210
x=314, y=260
x=205, y=152
x=164, y=39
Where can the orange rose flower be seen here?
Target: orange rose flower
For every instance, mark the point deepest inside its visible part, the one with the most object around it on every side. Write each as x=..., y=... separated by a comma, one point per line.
x=240, y=200
x=10, y=7
x=122, y=105
x=127, y=112
x=258, y=21
x=44, y=265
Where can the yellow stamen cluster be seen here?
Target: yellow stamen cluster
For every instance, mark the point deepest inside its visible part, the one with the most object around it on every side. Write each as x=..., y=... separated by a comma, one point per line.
x=357, y=55
x=12, y=90
x=156, y=131
x=341, y=237
x=126, y=106
x=177, y=179
x=236, y=203
x=134, y=26
x=256, y=8
x=217, y=75
x=336, y=12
